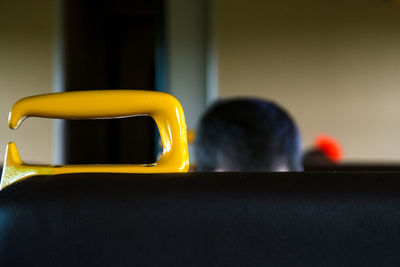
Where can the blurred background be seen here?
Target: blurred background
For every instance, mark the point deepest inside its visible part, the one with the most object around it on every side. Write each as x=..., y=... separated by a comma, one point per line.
x=334, y=65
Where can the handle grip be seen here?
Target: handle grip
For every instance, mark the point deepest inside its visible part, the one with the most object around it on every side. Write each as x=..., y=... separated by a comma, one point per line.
x=99, y=104
x=163, y=108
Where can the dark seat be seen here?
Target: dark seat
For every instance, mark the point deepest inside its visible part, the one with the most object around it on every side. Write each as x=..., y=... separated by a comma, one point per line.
x=355, y=167
x=198, y=219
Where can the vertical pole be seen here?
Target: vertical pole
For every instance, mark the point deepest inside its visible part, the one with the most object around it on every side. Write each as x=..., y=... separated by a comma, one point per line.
x=59, y=82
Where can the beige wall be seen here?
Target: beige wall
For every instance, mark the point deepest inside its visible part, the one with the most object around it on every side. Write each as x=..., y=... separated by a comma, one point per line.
x=26, y=49
x=335, y=65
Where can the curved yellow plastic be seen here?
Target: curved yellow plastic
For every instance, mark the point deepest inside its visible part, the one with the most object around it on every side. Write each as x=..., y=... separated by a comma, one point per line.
x=163, y=108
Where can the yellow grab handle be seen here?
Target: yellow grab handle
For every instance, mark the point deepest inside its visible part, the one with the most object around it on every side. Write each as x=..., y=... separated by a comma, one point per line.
x=163, y=108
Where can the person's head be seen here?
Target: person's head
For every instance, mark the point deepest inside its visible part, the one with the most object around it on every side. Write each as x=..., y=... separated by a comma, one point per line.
x=247, y=134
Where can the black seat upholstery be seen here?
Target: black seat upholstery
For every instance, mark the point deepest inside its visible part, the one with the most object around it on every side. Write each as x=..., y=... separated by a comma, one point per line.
x=198, y=219
x=354, y=167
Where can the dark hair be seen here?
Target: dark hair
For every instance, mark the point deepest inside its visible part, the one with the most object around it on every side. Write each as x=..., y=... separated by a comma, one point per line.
x=247, y=134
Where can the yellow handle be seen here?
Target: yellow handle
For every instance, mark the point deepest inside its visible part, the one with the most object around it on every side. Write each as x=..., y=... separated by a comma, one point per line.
x=163, y=108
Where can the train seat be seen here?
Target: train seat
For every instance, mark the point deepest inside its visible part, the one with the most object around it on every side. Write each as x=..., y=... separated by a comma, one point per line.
x=202, y=219
x=160, y=215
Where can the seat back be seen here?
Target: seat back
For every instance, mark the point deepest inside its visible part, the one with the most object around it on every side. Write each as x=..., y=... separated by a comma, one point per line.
x=202, y=219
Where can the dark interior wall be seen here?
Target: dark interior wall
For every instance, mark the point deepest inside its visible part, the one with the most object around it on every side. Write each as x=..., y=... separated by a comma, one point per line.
x=111, y=45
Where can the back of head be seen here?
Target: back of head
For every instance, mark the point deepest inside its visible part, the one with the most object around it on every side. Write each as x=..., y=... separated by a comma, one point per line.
x=247, y=134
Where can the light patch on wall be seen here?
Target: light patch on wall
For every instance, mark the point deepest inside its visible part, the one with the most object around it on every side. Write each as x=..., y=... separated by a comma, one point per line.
x=26, y=47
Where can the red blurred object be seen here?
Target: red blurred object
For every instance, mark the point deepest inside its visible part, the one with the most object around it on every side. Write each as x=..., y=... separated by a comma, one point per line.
x=330, y=147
